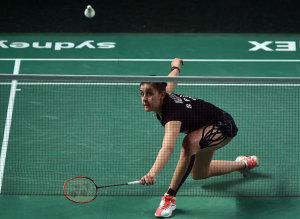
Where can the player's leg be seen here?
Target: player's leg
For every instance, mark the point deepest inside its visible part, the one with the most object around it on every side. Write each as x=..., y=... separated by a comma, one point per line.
x=192, y=152
x=205, y=167
x=183, y=168
x=190, y=147
x=216, y=167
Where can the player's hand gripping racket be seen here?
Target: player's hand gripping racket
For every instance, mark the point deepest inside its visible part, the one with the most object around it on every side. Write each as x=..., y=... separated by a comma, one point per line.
x=83, y=189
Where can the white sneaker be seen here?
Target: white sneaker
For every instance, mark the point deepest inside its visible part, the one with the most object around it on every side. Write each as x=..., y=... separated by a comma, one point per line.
x=166, y=206
x=250, y=162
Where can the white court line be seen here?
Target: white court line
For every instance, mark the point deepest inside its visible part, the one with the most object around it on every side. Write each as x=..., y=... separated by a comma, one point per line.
x=136, y=84
x=9, y=114
x=154, y=60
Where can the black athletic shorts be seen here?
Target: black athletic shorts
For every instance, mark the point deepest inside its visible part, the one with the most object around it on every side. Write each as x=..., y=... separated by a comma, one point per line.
x=227, y=125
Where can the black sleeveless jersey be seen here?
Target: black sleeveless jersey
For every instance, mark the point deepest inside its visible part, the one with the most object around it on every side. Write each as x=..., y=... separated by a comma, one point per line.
x=193, y=113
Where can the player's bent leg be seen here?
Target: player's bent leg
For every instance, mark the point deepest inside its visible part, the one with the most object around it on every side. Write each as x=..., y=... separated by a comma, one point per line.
x=211, y=139
x=202, y=166
x=190, y=149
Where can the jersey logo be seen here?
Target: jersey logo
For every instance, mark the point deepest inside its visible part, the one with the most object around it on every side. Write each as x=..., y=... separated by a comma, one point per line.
x=175, y=98
x=189, y=106
x=182, y=99
x=186, y=98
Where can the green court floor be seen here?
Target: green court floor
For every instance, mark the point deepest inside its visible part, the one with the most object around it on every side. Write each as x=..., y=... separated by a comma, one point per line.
x=47, y=110
x=138, y=207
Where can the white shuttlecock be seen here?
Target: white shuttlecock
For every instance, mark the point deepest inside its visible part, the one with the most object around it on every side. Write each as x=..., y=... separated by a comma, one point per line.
x=89, y=12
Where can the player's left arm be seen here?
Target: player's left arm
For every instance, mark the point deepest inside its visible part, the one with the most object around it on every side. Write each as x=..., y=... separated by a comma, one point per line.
x=172, y=130
x=175, y=70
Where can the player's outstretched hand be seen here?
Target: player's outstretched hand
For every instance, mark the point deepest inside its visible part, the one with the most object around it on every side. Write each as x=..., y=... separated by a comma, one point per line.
x=177, y=62
x=148, y=179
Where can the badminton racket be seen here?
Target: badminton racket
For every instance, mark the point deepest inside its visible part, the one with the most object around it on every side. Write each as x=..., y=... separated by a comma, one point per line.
x=82, y=189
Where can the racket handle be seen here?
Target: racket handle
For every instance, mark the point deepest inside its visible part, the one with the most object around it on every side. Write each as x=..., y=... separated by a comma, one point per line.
x=134, y=182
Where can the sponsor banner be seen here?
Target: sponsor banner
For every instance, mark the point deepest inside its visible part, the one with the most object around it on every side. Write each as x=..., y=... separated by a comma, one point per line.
x=57, y=46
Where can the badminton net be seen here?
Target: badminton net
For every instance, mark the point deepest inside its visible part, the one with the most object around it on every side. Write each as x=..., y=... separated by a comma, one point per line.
x=95, y=126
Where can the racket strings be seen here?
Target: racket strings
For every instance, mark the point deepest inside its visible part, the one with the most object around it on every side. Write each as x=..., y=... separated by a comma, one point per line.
x=80, y=189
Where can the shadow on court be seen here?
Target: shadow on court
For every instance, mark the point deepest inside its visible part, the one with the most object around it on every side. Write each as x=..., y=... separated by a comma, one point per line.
x=267, y=207
x=225, y=185
x=230, y=186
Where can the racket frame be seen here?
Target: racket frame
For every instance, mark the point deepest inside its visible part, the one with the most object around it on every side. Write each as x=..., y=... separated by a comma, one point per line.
x=75, y=177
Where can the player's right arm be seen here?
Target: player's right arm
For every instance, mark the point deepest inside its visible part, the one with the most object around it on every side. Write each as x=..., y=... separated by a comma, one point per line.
x=174, y=72
x=172, y=130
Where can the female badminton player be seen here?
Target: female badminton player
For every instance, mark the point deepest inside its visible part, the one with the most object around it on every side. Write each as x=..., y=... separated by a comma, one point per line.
x=207, y=129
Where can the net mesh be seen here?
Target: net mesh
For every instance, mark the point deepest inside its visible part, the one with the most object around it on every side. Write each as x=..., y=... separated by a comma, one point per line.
x=99, y=129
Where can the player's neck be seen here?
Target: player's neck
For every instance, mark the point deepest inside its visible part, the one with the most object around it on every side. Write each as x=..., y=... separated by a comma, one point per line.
x=158, y=111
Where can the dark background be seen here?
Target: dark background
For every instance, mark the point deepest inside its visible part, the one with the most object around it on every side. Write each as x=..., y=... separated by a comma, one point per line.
x=164, y=16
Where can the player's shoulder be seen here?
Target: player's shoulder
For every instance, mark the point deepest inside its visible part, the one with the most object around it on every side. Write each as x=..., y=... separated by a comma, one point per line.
x=174, y=98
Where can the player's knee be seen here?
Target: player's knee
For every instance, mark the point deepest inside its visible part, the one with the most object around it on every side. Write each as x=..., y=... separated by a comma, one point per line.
x=187, y=145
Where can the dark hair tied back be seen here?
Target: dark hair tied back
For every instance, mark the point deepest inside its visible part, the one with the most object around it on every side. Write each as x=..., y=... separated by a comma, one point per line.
x=160, y=86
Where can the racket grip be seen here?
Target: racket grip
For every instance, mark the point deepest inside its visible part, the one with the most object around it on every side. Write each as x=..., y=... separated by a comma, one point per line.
x=134, y=182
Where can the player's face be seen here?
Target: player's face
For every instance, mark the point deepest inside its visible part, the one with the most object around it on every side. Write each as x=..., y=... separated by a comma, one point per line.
x=151, y=98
